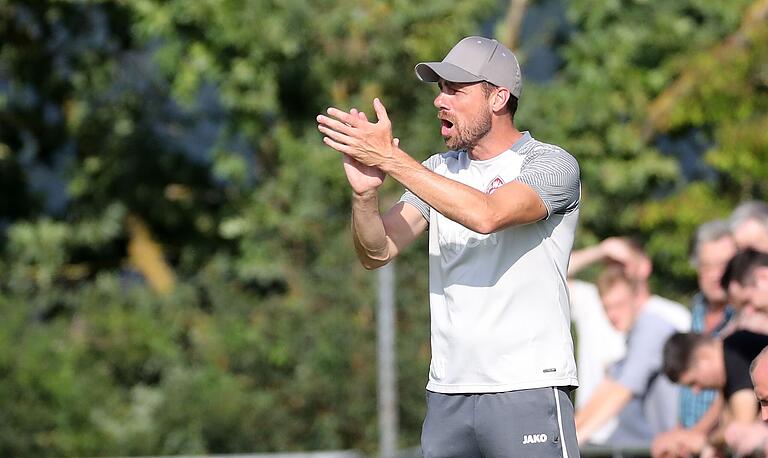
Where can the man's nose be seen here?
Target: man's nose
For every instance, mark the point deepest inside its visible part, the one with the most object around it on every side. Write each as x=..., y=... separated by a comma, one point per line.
x=440, y=100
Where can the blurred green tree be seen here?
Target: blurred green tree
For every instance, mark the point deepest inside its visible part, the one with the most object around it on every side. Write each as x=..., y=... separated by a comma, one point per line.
x=176, y=264
x=664, y=105
x=176, y=274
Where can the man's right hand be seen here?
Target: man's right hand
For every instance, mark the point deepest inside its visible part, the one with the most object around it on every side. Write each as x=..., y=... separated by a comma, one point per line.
x=363, y=178
x=619, y=250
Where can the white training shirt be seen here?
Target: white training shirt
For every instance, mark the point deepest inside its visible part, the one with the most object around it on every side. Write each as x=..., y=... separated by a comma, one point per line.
x=500, y=313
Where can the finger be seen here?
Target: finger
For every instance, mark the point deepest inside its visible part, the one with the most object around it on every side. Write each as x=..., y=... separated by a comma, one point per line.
x=336, y=145
x=343, y=116
x=338, y=126
x=358, y=114
x=396, y=141
x=335, y=135
x=381, y=112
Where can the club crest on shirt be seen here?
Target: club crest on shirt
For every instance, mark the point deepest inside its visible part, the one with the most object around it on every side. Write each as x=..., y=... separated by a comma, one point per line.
x=495, y=184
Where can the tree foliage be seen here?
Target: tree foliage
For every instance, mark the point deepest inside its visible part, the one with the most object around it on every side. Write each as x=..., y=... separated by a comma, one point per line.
x=184, y=133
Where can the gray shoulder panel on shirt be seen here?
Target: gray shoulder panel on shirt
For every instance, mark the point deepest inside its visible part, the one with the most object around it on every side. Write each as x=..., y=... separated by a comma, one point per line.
x=554, y=174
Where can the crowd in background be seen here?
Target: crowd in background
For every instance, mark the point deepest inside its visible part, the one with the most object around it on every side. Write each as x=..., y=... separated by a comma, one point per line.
x=682, y=381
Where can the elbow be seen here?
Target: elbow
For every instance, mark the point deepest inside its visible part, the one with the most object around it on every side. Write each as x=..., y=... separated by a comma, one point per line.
x=485, y=228
x=369, y=263
x=487, y=224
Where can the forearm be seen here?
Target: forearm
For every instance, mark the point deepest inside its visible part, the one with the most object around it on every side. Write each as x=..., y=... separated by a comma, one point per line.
x=463, y=204
x=607, y=401
x=743, y=406
x=711, y=417
x=581, y=259
x=368, y=232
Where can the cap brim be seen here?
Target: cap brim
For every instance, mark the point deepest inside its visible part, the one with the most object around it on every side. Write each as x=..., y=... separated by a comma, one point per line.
x=431, y=72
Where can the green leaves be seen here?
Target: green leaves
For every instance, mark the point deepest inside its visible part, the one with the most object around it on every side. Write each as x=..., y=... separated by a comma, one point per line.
x=198, y=118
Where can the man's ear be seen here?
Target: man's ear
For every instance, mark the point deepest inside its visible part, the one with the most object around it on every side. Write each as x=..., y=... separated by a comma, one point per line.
x=761, y=274
x=499, y=99
x=644, y=268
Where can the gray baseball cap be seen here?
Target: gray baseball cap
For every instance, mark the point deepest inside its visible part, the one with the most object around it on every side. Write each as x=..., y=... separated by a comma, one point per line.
x=476, y=59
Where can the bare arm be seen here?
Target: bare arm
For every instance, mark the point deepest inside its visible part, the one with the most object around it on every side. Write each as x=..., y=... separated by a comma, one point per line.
x=378, y=239
x=581, y=259
x=371, y=144
x=743, y=406
x=606, y=402
x=613, y=248
x=513, y=204
x=711, y=417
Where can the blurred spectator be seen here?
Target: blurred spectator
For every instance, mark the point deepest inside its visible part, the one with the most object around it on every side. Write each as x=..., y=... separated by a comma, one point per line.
x=713, y=248
x=599, y=344
x=701, y=362
x=758, y=370
x=634, y=392
x=752, y=438
x=749, y=225
x=734, y=271
x=751, y=310
x=711, y=252
x=755, y=282
x=747, y=437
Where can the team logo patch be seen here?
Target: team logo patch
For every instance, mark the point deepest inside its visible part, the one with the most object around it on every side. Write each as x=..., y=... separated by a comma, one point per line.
x=494, y=185
x=534, y=439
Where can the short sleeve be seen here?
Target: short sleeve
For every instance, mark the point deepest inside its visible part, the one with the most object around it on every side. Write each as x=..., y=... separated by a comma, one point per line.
x=554, y=175
x=644, y=354
x=737, y=373
x=739, y=349
x=410, y=198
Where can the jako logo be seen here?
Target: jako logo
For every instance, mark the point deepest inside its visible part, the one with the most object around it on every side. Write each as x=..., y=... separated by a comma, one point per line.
x=534, y=439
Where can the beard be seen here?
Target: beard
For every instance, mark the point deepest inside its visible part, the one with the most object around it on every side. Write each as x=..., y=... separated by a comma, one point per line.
x=468, y=134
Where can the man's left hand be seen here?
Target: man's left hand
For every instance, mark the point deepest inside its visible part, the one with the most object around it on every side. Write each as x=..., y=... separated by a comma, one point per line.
x=369, y=143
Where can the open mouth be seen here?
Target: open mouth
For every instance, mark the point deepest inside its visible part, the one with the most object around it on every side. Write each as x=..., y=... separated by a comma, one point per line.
x=445, y=127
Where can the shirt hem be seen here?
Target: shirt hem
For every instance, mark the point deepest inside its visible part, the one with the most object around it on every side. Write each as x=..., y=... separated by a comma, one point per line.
x=500, y=388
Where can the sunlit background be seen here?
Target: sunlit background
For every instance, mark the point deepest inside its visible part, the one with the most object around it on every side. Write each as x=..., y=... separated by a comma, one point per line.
x=176, y=270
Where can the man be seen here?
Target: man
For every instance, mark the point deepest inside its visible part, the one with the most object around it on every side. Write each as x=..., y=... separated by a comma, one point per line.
x=745, y=292
x=634, y=391
x=748, y=439
x=745, y=437
x=749, y=224
x=758, y=371
x=501, y=208
x=702, y=362
x=756, y=283
x=712, y=249
x=600, y=345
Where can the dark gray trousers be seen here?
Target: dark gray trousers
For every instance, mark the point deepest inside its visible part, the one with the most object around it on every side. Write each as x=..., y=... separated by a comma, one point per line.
x=515, y=424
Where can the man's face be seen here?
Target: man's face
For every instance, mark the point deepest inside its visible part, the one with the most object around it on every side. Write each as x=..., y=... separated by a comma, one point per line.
x=756, y=290
x=713, y=257
x=464, y=113
x=751, y=234
x=737, y=296
x=706, y=370
x=620, y=304
x=760, y=382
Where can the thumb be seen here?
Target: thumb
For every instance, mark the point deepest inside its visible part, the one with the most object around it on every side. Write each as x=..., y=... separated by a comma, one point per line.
x=381, y=112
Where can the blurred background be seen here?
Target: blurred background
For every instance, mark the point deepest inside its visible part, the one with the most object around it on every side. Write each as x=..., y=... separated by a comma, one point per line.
x=176, y=270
